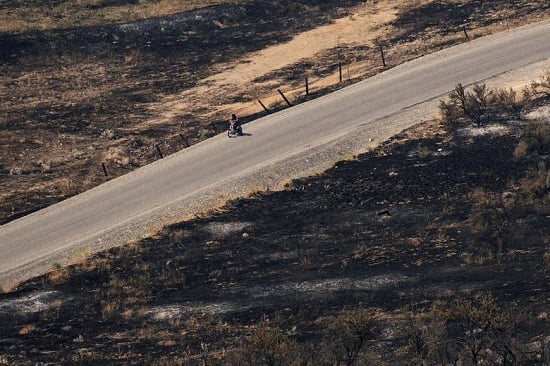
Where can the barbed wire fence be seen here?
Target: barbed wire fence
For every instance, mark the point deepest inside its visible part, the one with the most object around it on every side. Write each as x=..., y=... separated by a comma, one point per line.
x=310, y=85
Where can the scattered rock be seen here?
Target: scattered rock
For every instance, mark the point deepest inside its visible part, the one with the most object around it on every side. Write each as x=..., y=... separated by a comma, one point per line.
x=108, y=134
x=78, y=154
x=16, y=171
x=45, y=167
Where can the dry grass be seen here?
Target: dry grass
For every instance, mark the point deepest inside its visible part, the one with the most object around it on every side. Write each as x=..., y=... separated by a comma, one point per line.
x=347, y=241
x=64, y=14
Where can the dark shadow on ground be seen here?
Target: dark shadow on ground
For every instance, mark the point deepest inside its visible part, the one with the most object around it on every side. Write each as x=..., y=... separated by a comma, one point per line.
x=451, y=16
x=318, y=247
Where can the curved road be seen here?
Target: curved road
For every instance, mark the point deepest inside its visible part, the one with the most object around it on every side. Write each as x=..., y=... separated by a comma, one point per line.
x=150, y=190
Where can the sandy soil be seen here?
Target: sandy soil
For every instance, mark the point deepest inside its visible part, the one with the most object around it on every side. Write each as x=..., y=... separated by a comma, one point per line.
x=364, y=25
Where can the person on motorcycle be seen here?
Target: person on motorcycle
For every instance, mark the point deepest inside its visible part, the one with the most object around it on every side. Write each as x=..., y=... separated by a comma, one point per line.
x=235, y=124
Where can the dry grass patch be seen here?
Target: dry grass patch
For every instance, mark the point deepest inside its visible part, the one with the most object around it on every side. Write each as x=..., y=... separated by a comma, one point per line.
x=63, y=14
x=27, y=329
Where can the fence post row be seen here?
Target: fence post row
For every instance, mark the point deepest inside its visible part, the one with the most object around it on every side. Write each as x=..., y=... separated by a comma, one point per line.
x=214, y=127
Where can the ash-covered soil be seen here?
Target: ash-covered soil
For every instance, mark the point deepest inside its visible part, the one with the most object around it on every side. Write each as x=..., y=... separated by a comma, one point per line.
x=387, y=231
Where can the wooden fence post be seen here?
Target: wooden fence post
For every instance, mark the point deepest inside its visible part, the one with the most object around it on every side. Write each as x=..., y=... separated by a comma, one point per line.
x=382, y=54
x=264, y=107
x=286, y=100
x=160, y=152
x=465, y=33
x=184, y=140
x=307, y=86
x=104, y=168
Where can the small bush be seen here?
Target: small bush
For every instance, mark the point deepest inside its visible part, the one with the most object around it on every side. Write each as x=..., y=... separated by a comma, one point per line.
x=464, y=332
x=450, y=114
x=534, y=140
x=509, y=104
x=537, y=183
x=267, y=345
x=541, y=87
x=487, y=221
x=481, y=105
x=67, y=187
x=347, y=336
x=472, y=106
x=423, y=332
x=481, y=330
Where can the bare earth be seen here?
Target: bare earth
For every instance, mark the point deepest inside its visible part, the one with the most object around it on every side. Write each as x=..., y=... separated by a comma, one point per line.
x=387, y=228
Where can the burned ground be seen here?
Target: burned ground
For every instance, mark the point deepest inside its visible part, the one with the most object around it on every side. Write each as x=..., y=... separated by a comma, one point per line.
x=384, y=231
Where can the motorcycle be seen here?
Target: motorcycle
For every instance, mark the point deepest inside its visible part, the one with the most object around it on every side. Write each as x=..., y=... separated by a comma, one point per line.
x=234, y=130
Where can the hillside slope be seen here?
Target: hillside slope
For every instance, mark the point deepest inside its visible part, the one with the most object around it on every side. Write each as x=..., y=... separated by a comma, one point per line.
x=98, y=93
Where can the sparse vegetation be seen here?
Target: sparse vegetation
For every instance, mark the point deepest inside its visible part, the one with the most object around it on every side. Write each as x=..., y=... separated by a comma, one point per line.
x=490, y=221
x=534, y=140
x=267, y=345
x=326, y=266
x=482, y=105
x=541, y=87
x=202, y=292
x=466, y=331
x=348, y=336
